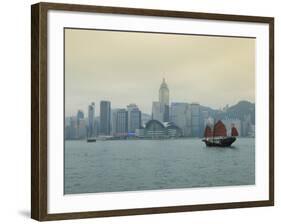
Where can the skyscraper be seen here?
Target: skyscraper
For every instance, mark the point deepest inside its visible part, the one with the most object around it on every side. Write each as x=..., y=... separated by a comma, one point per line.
x=114, y=121
x=246, y=125
x=73, y=128
x=160, y=109
x=91, y=116
x=134, y=118
x=164, y=93
x=156, y=111
x=195, y=119
x=164, y=100
x=80, y=115
x=122, y=122
x=105, y=112
x=80, y=123
x=180, y=115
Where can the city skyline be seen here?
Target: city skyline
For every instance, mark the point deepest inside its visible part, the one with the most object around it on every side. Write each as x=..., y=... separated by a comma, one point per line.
x=192, y=65
x=168, y=119
x=161, y=110
x=97, y=114
x=97, y=106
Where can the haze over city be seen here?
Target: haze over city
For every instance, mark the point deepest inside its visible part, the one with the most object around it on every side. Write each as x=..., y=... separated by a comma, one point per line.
x=127, y=67
x=135, y=115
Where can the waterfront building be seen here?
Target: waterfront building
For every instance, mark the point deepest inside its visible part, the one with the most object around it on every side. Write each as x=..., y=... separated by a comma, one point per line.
x=67, y=128
x=155, y=129
x=121, y=123
x=173, y=130
x=114, y=121
x=73, y=128
x=105, y=114
x=140, y=133
x=180, y=115
x=80, y=115
x=80, y=123
x=195, y=119
x=204, y=115
x=252, y=131
x=134, y=118
x=82, y=129
x=246, y=125
x=96, y=126
x=91, y=116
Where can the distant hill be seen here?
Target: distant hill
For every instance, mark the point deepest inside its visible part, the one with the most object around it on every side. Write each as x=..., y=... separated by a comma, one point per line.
x=212, y=112
x=241, y=109
x=237, y=111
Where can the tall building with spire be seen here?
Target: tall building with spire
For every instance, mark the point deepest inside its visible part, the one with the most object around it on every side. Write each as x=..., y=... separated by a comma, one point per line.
x=164, y=93
x=160, y=109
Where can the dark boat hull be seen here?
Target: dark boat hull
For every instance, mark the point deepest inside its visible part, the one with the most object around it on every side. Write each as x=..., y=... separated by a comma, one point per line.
x=223, y=142
x=91, y=140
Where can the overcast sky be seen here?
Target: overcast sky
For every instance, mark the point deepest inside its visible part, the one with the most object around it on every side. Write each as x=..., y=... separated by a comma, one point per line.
x=127, y=67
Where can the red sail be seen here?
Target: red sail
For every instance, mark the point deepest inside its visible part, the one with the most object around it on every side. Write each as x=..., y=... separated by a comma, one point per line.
x=208, y=132
x=234, y=132
x=219, y=129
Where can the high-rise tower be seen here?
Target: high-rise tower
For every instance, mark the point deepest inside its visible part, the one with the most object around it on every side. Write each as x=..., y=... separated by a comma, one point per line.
x=91, y=117
x=105, y=113
x=134, y=118
x=164, y=93
x=160, y=109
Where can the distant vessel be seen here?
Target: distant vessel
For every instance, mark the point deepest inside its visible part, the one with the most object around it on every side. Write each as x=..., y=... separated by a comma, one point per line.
x=218, y=136
x=91, y=140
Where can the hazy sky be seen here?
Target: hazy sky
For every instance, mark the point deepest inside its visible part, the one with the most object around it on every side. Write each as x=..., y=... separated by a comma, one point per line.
x=128, y=67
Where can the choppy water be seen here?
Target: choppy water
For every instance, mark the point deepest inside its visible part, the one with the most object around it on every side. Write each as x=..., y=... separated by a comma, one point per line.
x=132, y=165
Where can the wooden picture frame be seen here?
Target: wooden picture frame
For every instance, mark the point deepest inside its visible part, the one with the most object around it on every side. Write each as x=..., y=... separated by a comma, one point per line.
x=39, y=109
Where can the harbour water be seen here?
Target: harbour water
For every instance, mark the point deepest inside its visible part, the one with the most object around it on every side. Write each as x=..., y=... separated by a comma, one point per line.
x=134, y=165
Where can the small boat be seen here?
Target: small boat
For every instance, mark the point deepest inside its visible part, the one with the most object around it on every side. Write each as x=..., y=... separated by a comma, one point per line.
x=218, y=136
x=91, y=140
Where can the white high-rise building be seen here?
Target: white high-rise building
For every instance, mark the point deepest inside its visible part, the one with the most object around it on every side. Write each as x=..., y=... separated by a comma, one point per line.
x=180, y=115
x=134, y=118
x=195, y=119
x=160, y=109
x=91, y=117
x=164, y=97
x=114, y=121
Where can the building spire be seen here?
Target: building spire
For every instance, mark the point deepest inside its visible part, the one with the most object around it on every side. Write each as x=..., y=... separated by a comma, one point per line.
x=163, y=84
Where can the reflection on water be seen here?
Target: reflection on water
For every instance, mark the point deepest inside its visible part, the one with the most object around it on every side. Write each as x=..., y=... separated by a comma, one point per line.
x=132, y=165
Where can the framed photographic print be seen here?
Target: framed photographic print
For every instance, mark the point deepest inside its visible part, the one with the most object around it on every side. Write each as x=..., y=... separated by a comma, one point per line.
x=141, y=111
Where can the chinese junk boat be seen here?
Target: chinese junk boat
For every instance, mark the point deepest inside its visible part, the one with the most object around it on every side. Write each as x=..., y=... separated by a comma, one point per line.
x=218, y=136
